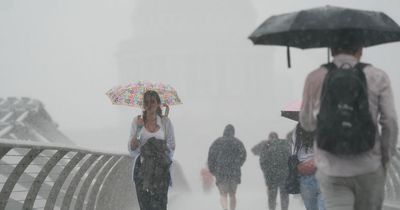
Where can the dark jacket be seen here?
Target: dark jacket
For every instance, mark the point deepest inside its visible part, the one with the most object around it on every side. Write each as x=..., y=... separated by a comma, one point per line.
x=154, y=169
x=226, y=156
x=274, y=155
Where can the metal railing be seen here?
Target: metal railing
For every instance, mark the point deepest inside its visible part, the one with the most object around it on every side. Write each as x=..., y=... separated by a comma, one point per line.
x=53, y=176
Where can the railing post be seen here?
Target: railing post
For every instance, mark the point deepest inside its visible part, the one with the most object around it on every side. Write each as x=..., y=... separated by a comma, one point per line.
x=15, y=175
x=88, y=181
x=3, y=151
x=99, y=181
x=53, y=194
x=35, y=187
x=75, y=181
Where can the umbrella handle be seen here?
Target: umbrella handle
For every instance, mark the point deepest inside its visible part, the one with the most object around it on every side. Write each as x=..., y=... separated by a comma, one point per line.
x=288, y=57
x=166, y=110
x=329, y=56
x=138, y=129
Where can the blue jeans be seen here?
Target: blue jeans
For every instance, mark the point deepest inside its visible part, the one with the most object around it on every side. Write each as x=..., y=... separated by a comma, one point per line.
x=310, y=193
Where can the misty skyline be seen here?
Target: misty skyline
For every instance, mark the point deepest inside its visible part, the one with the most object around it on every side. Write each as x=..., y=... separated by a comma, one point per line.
x=64, y=53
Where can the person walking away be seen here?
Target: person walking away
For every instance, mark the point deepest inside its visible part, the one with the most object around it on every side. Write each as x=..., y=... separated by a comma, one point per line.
x=152, y=145
x=226, y=156
x=310, y=192
x=356, y=129
x=274, y=154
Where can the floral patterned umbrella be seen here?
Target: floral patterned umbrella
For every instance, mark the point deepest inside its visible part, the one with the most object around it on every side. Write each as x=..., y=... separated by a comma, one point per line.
x=132, y=94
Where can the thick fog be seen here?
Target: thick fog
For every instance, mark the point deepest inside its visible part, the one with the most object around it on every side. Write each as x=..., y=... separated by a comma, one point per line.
x=68, y=53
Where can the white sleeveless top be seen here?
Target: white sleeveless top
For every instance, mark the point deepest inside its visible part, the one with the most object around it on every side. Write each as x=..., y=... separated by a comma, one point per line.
x=166, y=132
x=145, y=134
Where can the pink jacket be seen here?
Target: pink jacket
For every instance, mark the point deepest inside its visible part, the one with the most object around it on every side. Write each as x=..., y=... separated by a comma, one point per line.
x=381, y=105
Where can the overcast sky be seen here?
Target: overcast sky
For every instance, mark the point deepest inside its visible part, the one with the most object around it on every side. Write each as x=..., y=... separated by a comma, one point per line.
x=63, y=53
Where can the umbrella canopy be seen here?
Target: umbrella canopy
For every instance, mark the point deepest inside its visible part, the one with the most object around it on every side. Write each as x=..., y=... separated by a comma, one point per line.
x=327, y=27
x=132, y=94
x=292, y=110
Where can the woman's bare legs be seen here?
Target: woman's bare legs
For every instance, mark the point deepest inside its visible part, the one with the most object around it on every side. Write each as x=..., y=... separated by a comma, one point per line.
x=232, y=201
x=224, y=200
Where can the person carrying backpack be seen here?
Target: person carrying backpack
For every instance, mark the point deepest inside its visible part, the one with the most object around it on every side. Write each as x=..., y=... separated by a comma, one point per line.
x=351, y=108
x=274, y=155
x=226, y=156
x=152, y=145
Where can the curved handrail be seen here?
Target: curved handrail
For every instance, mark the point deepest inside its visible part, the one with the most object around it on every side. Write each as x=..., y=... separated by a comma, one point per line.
x=71, y=175
x=54, y=146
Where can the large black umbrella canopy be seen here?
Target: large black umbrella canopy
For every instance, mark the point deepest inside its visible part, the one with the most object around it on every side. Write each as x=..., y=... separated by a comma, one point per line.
x=327, y=27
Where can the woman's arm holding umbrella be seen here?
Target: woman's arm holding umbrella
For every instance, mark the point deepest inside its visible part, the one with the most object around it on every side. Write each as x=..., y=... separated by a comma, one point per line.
x=133, y=144
x=166, y=113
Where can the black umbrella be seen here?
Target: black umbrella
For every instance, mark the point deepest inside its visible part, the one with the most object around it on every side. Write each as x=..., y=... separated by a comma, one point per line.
x=327, y=27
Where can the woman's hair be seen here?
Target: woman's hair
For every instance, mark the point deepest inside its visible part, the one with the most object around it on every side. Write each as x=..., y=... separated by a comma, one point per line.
x=154, y=94
x=304, y=136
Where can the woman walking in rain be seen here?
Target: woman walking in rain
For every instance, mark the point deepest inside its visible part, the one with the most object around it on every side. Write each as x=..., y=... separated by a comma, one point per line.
x=225, y=159
x=309, y=188
x=152, y=134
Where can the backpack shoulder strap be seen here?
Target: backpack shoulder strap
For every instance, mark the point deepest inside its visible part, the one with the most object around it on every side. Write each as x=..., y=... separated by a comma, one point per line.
x=361, y=65
x=360, y=71
x=329, y=66
x=164, y=124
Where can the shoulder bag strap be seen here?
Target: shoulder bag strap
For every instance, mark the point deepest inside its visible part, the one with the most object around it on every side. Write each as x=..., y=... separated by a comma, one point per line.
x=360, y=70
x=164, y=124
x=329, y=66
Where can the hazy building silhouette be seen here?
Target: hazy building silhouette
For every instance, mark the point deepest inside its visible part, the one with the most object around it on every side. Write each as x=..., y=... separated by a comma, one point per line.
x=200, y=44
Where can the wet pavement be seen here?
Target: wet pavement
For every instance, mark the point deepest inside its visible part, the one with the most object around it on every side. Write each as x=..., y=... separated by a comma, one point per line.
x=254, y=200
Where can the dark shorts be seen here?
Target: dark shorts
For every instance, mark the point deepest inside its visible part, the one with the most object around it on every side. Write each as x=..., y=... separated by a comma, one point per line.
x=227, y=187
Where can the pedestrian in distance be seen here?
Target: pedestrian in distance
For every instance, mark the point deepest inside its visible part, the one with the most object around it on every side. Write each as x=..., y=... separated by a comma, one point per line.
x=226, y=156
x=351, y=108
x=274, y=154
x=152, y=144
